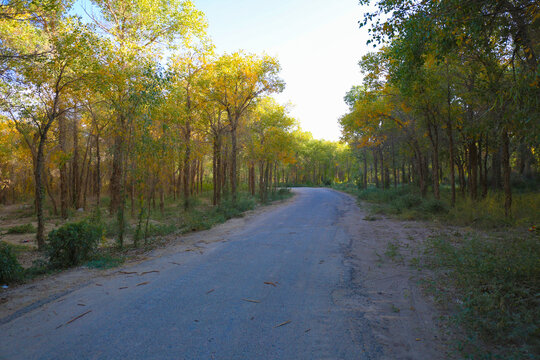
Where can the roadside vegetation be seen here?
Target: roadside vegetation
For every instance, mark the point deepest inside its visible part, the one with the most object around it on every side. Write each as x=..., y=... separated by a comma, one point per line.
x=486, y=265
x=445, y=129
x=91, y=239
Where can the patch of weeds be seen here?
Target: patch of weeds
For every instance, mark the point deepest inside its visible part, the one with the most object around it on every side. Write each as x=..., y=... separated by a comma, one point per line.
x=434, y=206
x=39, y=267
x=395, y=309
x=22, y=229
x=370, y=218
x=281, y=194
x=392, y=251
x=415, y=262
x=497, y=282
x=105, y=261
x=160, y=229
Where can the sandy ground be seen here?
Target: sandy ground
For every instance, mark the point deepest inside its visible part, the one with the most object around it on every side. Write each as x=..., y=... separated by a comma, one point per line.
x=404, y=320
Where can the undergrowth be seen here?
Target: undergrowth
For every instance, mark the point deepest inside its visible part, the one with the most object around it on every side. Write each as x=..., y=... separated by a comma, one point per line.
x=407, y=203
x=21, y=229
x=498, y=290
x=493, y=279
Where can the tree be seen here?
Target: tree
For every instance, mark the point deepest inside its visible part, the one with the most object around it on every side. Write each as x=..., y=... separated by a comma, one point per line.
x=240, y=79
x=37, y=86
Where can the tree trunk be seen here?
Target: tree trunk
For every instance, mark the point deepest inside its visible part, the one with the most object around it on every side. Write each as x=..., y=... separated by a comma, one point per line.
x=187, y=166
x=116, y=175
x=63, y=168
x=434, y=137
x=376, y=166
x=75, y=186
x=49, y=191
x=473, y=170
x=452, y=169
x=98, y=173
x=496, y=179
x=233, y=161
x=38, y=172
x=365, y=169
x=506, y=174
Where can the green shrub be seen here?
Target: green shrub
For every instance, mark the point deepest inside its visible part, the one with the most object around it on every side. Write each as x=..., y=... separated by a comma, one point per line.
x=22, y=229
x=10, y=269
x=434, y=206
x=408, y=201
x=160, y=229
x=73, y=243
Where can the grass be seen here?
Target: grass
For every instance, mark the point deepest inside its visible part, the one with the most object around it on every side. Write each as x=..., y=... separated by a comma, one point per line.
x=498, y=290
x=392, y=251
x=105, y=261
x=405, y=202
x=174, y=219
x=491, y=277
x=21, y=229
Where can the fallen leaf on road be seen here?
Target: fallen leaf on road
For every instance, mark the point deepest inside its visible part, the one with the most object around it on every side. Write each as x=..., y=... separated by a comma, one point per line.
x=418, y=339
x=175, y=263
x=75, y=318
x=250, y=300
x=127, y=272
x=308, y=330
x=123, y=287
x=149, y=272
x=209, y=291
x=270, y=283
x=99, y=285
x=81, y=304
x=143, y=283
x=283, y=323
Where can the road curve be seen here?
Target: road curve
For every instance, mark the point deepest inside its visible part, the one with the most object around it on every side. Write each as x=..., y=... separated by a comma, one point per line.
x=270, y=291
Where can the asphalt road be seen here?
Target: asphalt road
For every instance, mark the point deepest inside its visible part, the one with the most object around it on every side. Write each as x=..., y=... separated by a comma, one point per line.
x=270, y=291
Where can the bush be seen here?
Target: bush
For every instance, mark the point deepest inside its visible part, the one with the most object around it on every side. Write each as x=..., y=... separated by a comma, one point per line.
x=73, y=243
x=22, y=229
x=10, y=269
x=434, y=206
x=408, y=201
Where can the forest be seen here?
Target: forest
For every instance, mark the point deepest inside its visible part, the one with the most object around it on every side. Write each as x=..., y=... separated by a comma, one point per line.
x=125, y=108
x=121, y=123
x=450, y=101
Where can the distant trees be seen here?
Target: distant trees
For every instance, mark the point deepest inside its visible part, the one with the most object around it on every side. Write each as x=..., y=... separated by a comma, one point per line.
x=454, y=86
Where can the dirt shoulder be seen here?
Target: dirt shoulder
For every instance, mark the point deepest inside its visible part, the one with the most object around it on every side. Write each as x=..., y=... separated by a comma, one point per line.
x=404, y=320
x=19, y=299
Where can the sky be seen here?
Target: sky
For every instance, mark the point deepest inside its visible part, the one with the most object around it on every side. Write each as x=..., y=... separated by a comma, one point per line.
x=317, y=42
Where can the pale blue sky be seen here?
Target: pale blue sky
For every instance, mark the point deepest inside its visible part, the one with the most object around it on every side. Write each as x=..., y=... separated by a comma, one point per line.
x=317, y=42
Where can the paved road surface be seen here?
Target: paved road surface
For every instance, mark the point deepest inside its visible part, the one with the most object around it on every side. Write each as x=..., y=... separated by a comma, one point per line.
x=196, y=306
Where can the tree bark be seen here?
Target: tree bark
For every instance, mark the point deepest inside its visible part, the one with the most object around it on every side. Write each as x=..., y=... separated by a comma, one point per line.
x=473, y=170
x=63, y=168
x=234, y=151
x=506, y=174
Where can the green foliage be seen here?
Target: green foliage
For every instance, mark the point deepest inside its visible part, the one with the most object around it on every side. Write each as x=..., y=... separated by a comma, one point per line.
x=434, y=206
x=73, y=243
x=155, y=229
x=230, y=210
x=104, y=261
x=498, y=282
x=10, y=269
x=22, y=229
